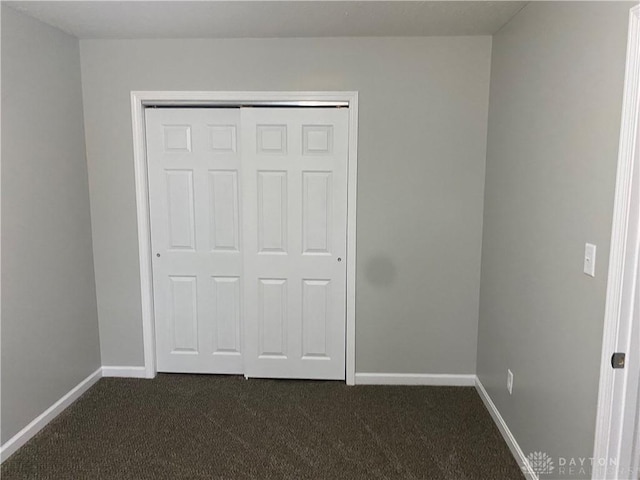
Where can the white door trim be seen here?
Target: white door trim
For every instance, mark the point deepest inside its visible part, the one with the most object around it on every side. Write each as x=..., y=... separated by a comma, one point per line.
x=142, y=99
x=619, y=298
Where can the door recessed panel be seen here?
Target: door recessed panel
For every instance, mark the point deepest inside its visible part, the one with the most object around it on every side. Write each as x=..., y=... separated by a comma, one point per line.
x=316, y=295
x=272, y=212
x=226, y=311
x=223, y=210
x=272, y=318
x=271, y=139
x=184, y=314
x=222, y=138
x=180, y=210
x=177, y=138
x=316, y=213
x=317, y=139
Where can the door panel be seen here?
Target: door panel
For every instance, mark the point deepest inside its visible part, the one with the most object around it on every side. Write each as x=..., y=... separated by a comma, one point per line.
x=224, y=210
x=316, y=315
x=193, y=161
x=225, y=293
x=272, y=318
x=317, y=217
x=294, y=205
x=180, y=215
x=272, y=212
x=248, y=225
x=184, y=314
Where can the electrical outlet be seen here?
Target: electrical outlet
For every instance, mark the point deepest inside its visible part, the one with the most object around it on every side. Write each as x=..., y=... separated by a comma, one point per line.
x=509, y=381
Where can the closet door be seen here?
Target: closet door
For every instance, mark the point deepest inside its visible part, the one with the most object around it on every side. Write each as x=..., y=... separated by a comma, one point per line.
x=193, y=158
x=295, y=214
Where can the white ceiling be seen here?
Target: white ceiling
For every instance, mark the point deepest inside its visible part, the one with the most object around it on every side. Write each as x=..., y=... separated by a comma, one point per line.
x=238, y=19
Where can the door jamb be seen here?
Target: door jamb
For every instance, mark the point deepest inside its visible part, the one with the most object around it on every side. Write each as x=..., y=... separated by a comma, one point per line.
x=620, y=292
x=142, y=99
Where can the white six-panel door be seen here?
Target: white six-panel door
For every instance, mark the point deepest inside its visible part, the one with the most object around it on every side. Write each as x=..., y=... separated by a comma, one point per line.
x=194, y=164
x=248, y=224
x=295, y=218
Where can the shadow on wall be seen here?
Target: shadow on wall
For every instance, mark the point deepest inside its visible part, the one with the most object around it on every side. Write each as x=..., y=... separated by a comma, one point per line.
x=380, y=271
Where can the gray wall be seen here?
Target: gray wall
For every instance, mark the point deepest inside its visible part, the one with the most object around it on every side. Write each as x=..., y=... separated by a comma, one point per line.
x=422, y=142
x=49, y=317
x=554, y=120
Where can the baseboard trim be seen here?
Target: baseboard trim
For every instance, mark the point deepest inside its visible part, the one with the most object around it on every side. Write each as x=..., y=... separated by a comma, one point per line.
x=124, y=372
x=433, y=379
x=516, y=451
x=24, y=435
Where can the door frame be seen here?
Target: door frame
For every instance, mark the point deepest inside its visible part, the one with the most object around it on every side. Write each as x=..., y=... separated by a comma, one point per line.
x=623, y=260
x=142, y=99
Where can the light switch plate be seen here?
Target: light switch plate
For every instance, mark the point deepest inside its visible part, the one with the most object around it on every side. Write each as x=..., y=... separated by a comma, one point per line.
x=590, y=259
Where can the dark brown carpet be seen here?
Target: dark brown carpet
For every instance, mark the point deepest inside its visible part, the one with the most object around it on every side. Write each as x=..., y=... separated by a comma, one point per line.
x=226, y=427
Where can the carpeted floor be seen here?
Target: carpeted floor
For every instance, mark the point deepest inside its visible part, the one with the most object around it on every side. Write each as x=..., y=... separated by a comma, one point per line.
x=226, y=427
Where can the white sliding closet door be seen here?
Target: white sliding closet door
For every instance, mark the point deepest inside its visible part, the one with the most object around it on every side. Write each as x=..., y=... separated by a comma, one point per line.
x=193, y=160
x=248, y=213
x=295, y=218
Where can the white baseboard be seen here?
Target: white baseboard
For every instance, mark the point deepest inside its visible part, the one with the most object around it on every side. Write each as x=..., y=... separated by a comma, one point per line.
x=125, y=372
x=433, y=379
x=24, y=435
x=516, y=451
